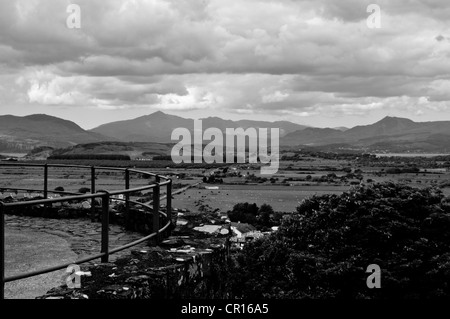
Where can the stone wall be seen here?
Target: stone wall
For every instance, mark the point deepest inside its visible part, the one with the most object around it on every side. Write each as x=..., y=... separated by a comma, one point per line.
x=173, y=270
x=187, y=265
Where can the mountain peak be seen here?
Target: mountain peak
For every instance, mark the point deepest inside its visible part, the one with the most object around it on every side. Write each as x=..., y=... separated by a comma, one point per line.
x=162, y=115
x=395, y=119
x=39, y=117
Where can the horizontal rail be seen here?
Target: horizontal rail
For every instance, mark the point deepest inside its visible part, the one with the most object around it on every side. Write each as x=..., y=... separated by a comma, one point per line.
x=42, y=165
x=79, y=197
x=81, y=166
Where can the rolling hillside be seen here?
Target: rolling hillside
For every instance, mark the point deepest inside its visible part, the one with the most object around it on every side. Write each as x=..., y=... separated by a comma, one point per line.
x=135, y=150
x=22, y=134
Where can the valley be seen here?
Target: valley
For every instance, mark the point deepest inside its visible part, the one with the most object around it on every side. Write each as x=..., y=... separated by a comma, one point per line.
x=301, y=175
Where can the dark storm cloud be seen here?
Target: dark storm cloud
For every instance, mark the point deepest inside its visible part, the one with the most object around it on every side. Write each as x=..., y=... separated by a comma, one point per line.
x=299, y=57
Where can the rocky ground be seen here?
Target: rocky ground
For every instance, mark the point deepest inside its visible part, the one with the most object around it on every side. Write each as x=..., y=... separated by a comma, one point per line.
x=187, y=264
x=176, y=267
x=83, y=236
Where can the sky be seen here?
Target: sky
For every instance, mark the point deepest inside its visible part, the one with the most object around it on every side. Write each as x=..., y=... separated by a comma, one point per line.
x=313, y=62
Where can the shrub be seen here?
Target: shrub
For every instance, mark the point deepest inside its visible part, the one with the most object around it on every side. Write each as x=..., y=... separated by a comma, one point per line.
x=323, y=250
x=84, y=190
x=244, y=213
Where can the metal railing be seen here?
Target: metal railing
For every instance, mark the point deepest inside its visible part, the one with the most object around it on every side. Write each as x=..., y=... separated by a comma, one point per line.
x=105, y=202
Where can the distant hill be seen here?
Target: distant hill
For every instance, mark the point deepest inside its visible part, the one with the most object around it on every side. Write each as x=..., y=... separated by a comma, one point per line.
x=311, y=135
x=284, y=126
x=22, y=134
x=389, y=134
x=135, y=150
x=341, y=128
x=150, y=135
x=158, y=127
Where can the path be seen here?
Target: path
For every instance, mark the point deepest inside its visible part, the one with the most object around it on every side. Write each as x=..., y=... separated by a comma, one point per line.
x=34, y=243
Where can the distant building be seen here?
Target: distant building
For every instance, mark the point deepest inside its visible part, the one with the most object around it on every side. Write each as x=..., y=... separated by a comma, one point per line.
x=243, y=233
x=241, y=228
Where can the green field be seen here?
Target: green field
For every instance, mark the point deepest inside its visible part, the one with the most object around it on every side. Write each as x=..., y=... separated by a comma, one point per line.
x=281, y=198
x=294, y=181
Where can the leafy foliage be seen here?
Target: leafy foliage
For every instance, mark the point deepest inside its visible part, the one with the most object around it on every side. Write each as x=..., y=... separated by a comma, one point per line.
x=244, y=213
x=84, y=190
x=323, y=250
x=262, y=217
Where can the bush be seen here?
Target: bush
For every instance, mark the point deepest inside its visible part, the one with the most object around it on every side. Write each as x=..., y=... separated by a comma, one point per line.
x=244, y=213
x=264, y=213
x=84, y=190
x=323, y=250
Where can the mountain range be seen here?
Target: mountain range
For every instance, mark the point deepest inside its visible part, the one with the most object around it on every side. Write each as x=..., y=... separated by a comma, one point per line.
x=390, y=134
x=158, y=127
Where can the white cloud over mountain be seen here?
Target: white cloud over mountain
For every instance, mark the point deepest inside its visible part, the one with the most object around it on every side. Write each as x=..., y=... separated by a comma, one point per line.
x=286, y=58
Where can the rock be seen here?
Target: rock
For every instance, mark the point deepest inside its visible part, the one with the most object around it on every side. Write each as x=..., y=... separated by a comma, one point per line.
x=209, y=229
x=182, y=222
x=137, y=279
x=172, y=243
x=83, y=273
x=112, y=288
x=86, y=205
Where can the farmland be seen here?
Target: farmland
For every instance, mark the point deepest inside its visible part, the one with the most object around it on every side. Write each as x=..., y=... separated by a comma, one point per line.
x=223, y=185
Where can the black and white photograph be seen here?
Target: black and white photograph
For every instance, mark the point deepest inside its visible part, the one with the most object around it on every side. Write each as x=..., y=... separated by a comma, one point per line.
x=222, y=158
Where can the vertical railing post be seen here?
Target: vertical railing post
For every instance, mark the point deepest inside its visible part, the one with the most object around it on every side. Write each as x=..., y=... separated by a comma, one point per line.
x=46, y=206
x=169, y=201
x=45, y=181
x=105, y=227
x=156, y=192
x=2, y=251
x=127, y=198
x=93, y=192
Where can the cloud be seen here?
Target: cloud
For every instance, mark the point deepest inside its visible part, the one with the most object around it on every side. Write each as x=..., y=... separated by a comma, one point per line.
x=248, y=57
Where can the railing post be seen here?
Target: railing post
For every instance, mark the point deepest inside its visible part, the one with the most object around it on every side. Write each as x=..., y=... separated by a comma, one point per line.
x=93, y=192
x=127, y=198
x=169, y=200
x=45, y=181
x=105, y=227
x=156, y=192
x=46, y=206
x=2, y=250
